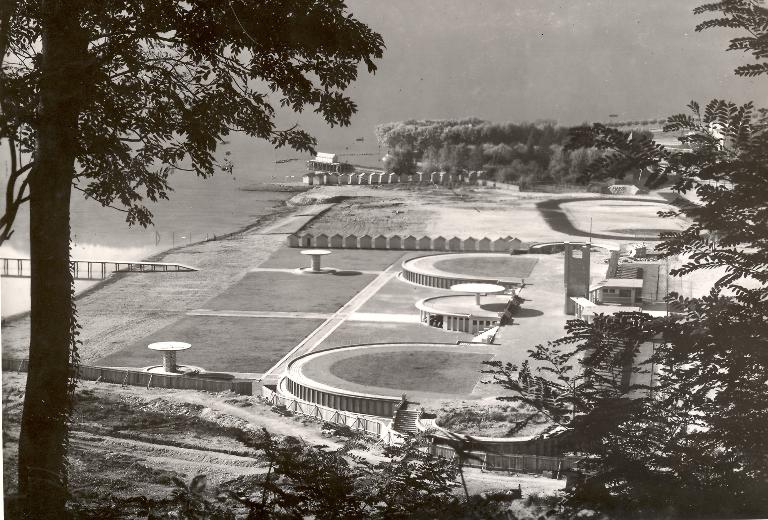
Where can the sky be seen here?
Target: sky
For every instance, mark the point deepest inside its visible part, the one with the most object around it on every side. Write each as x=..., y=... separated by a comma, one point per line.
x=515, y=60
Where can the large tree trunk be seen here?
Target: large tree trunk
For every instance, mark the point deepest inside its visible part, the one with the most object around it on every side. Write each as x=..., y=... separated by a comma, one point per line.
x=42, y=446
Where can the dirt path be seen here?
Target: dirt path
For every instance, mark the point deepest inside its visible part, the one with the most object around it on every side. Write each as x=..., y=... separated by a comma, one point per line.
x=118, y=456
x=218, y=467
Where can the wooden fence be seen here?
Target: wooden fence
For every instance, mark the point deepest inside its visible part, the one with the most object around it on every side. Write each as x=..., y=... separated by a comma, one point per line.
x=354, y=421
x=146, y=379
x=410, y=243
x=503, y=462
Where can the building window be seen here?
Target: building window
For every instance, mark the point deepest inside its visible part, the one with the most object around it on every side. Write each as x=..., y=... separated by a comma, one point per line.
x=625, y=293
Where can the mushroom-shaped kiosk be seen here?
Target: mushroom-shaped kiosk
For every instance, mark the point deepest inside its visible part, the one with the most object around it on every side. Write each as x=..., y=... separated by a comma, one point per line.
x=169, y=349
x=316, y=254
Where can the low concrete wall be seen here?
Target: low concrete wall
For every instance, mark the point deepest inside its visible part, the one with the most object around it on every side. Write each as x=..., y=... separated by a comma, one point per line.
x=532, y=454
x=146, y=379
x=489, y=460
x=409, y=243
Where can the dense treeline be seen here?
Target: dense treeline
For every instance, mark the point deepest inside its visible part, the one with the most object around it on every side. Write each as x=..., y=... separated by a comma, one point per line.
x=522, y=153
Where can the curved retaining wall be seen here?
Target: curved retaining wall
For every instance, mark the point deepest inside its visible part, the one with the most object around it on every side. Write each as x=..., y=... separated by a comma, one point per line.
x=339, y=400
x=295, y=385
x=377, y=426
x=455, y=321
x=445, y=280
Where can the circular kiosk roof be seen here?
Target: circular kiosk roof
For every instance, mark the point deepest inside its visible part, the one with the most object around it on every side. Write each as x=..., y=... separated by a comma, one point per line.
x=478, y=288
x=464, y=305
x=168, y=346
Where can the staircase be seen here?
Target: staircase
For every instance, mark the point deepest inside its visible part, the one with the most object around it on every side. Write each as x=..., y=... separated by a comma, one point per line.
x=487, y=336
x=405, y=420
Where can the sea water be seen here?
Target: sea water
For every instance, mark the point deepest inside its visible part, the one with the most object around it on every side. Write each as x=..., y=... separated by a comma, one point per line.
x=197, y=209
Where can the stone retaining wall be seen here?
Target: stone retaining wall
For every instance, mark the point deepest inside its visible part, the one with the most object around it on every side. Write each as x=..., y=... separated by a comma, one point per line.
x=146, y=379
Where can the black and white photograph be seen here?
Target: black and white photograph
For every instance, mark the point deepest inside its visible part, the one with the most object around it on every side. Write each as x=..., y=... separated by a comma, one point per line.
x=384, y=260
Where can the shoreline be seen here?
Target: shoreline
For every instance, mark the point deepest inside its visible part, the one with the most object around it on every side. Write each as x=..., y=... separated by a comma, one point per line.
x=276, y=211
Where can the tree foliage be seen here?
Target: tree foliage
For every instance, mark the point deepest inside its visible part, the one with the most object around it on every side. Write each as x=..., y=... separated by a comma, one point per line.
x=319, y=482
x=161, y=84
x=747, y=16
x=693, y=443
x=108, y=98
x=511, y=152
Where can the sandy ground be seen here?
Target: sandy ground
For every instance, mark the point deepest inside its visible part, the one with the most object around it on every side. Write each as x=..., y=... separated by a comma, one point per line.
x=486, y=212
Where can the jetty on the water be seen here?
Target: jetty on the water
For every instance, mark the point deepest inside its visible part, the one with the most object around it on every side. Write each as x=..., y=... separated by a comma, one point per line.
x=94, y=269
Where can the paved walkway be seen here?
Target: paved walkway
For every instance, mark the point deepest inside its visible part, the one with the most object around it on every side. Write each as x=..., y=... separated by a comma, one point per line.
x=385, y=318
x=379, y=317
x=297, y=270
x=260, y=314
x=294, y=222
x=319, y=335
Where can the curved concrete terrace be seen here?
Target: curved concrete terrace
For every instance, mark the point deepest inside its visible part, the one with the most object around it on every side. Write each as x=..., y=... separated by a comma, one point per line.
x=371, y=379
x=445, y=270
x=460, y=313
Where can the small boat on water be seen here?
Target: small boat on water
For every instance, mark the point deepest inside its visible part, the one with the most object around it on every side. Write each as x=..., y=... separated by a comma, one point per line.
x=360, y=139
x=281, y=161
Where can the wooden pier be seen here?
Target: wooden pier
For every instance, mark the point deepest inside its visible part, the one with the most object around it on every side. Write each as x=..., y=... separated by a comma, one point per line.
x=94, y=269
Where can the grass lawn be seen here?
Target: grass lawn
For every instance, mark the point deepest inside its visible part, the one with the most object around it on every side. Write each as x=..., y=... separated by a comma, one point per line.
x=289, y=292
x=431, y=371
x=415, y=369
x=356, y=332
x=494, y=267
x=399, y=297
x=221, y=343
x=347, y=259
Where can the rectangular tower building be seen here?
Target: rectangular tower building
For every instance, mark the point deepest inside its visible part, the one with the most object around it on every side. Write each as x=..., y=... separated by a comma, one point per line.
x=576, y=277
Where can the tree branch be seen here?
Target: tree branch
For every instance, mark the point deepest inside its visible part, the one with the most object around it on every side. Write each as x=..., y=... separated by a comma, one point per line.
x=13, y=198
x=87, y=195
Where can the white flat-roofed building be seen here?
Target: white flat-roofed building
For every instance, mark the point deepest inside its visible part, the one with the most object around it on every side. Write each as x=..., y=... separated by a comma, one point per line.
x=325, y=162
x=621, y=291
